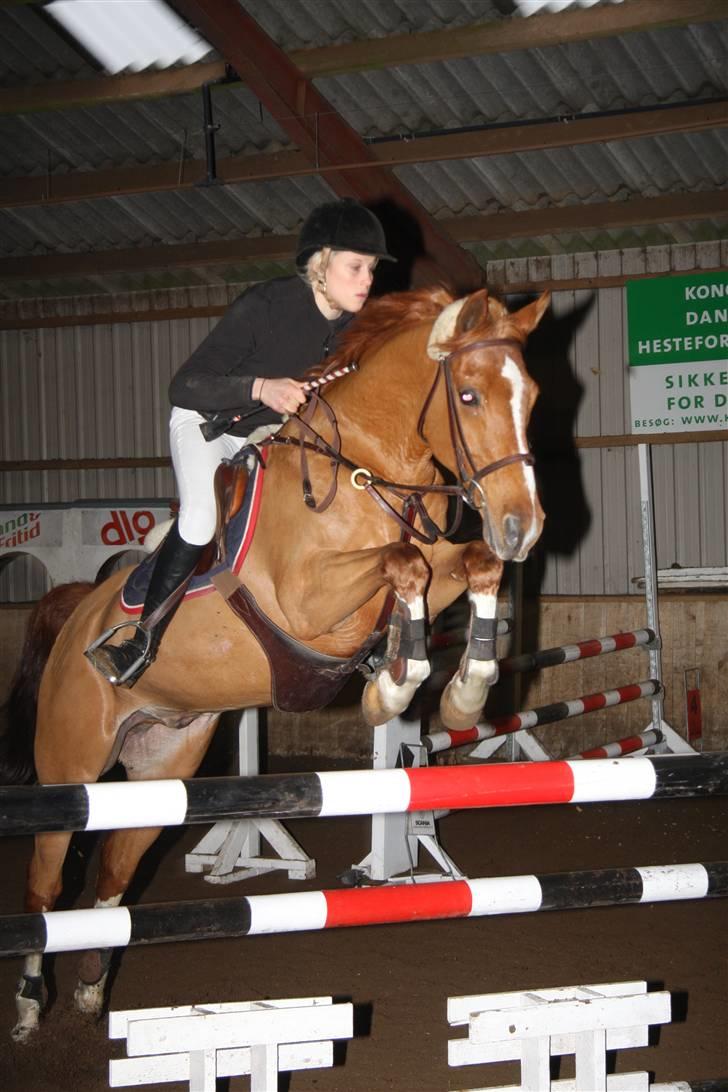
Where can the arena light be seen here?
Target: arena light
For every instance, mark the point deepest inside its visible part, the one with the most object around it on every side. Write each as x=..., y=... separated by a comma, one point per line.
x=533, y=7
x=130, y=34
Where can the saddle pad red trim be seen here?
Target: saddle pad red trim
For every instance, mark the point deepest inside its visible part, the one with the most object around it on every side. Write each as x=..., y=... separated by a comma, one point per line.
x=239, y=540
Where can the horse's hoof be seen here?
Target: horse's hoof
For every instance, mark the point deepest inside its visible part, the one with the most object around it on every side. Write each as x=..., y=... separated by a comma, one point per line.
x=372, y=707
x=28, y=1020
x=383, y=699
x=89, y=998
x=453, y=716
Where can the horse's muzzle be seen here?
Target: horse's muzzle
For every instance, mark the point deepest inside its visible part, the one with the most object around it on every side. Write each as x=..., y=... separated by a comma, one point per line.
x=513, y=537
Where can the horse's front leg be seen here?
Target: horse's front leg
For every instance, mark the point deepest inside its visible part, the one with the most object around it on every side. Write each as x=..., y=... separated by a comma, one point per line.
x=464, y=697
x=405, y=663
x=338, y=585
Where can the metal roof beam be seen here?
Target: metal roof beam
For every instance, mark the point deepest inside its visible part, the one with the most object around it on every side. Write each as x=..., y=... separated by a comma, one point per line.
x=279, y=248
x=504, y=36
x=56, y=188
x=318, y=131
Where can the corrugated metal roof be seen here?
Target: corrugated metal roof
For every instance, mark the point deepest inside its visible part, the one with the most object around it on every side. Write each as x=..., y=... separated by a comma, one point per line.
x=637, y=70
x=674, y=65
x=298, y=25
x=155, y=131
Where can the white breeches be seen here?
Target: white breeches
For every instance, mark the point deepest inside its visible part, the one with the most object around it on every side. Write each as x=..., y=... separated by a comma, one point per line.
x=195, y=461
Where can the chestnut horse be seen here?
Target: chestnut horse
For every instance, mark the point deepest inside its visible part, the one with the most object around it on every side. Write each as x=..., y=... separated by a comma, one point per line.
x=440, y=383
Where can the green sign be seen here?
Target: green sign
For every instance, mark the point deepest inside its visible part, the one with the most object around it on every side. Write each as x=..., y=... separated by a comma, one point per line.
x=677, y=347
x=678, y=318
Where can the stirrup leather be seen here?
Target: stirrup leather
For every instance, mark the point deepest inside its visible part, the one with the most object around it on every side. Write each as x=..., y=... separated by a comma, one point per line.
x=101, y=663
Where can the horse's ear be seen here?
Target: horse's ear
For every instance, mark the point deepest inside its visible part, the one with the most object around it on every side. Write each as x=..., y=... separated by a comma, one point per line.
x=473, y=313
x=528, y=317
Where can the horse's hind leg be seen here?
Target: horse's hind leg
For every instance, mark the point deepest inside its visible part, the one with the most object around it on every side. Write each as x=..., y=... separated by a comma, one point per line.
x=155, y=752
x=44, y=887
x=121, y=852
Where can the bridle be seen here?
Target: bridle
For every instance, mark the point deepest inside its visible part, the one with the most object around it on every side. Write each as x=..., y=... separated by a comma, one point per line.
x=467, y=490
x=469, y=481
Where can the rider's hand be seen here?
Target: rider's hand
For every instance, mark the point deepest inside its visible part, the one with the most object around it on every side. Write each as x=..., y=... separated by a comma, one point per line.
x=281, y=395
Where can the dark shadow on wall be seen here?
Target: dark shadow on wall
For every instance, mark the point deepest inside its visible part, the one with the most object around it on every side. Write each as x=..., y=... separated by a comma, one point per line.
x=553, y=424
x=551, y=437
x=414, y=267
x=561, y=489
x=404, y=242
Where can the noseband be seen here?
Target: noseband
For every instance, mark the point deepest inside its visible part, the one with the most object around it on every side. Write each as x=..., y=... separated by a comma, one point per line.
x=469, y=478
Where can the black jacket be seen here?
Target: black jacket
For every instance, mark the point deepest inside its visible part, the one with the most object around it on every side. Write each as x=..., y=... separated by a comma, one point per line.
x=273, y=330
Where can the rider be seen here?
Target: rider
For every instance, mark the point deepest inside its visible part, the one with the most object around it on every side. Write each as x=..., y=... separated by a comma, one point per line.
x=274, y=331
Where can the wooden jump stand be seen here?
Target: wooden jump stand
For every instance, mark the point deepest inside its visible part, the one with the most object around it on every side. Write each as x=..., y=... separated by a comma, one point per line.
x=199, y=1043
x=231, y=849
x=584, y=1021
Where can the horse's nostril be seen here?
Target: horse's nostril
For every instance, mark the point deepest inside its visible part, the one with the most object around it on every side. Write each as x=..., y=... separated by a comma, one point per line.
x=512, y=531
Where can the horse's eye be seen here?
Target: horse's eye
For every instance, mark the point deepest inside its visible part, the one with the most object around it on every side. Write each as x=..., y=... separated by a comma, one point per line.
x=469, y=397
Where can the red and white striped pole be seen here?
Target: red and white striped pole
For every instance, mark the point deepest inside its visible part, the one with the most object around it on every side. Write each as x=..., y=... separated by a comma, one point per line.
x=582, y=650
x=544, y=714
x=621, y=747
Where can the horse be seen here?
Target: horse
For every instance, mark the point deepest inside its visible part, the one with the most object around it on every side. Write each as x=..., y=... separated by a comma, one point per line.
x=437, y=409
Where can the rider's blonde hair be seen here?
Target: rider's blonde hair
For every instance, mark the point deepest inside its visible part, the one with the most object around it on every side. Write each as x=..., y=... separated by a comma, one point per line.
x=314, y=272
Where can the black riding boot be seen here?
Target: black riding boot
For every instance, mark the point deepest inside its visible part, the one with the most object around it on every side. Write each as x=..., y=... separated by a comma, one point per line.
x=123, y=664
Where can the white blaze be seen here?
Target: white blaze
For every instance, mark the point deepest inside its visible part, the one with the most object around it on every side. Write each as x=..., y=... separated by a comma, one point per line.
x=513, y=374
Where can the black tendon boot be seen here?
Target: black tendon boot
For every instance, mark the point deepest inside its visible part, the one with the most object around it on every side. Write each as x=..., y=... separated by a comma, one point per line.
x=123, y=664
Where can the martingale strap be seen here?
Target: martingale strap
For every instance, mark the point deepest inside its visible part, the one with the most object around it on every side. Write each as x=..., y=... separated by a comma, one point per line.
x=301, y=678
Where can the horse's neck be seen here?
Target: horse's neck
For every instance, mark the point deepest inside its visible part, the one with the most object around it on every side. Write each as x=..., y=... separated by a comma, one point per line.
x=379, y=410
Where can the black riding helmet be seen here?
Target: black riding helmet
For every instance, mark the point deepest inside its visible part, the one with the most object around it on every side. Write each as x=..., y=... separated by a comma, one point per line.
x=341, y=225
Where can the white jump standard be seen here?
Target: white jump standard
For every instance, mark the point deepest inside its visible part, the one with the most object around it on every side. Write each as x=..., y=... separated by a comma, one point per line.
x=173, y=802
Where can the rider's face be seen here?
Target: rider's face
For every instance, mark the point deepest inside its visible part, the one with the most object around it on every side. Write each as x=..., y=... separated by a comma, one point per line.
x=349, y=279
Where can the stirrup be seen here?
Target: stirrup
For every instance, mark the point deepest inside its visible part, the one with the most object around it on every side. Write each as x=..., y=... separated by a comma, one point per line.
x=136, y=667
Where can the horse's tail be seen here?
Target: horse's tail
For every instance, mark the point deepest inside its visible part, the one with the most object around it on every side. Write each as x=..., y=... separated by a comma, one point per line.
x=17, y=766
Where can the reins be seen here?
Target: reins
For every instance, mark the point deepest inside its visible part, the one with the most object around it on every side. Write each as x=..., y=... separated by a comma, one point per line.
x=309, y=440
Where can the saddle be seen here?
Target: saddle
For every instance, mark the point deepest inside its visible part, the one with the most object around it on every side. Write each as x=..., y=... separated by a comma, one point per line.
x=238, y=493
x=231, y=483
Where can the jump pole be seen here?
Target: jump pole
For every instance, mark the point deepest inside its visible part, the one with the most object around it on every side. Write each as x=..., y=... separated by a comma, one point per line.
x=207, y=919
x=544, y=714
x=580, y=650
x=627, y=746
x=394, y=843
x=173, y=802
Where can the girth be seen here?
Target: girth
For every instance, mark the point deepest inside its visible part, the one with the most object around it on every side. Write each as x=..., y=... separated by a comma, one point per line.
x=301, y=678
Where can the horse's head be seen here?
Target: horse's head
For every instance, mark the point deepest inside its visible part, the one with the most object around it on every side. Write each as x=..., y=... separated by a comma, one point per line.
x=481, y=435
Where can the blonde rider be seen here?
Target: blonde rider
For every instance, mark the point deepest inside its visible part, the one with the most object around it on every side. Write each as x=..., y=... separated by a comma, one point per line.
x=246, y=368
